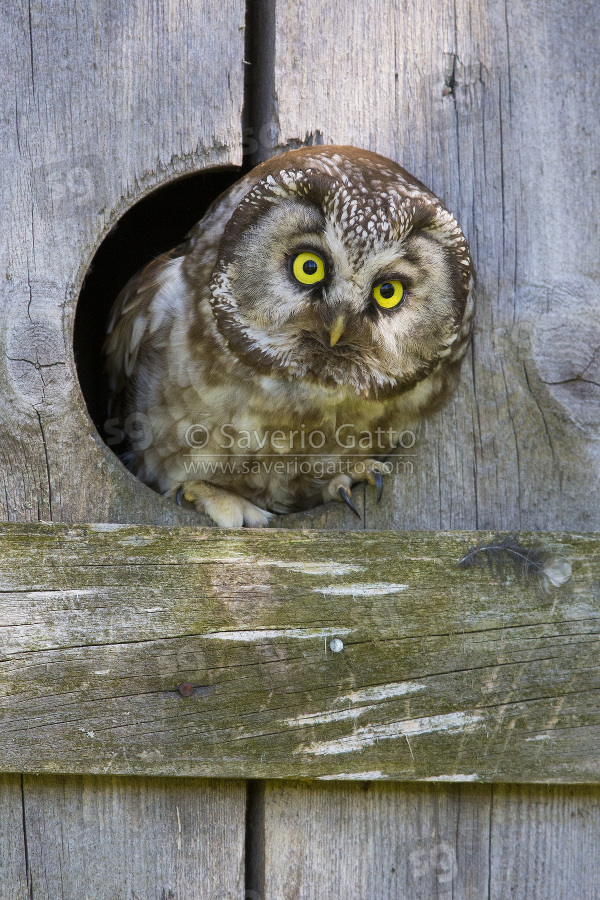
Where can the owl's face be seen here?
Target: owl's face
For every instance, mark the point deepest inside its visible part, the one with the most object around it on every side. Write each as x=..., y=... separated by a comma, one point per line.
x=338, y=267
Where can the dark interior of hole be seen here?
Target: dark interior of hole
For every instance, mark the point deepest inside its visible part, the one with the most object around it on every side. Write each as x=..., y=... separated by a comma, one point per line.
x=155, y=224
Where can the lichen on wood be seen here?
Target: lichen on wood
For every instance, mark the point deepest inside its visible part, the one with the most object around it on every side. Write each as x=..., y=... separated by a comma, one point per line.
x=443, y=673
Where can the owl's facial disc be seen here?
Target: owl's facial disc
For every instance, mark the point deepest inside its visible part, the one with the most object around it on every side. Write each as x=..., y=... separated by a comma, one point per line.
x=315, y=283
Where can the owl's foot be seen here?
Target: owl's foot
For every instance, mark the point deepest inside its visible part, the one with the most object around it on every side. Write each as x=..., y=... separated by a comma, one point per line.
x=370, y=470
x=339, y=489
x=225, y=509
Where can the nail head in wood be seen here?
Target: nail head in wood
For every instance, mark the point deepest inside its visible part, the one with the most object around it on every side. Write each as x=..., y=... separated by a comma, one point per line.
x=186, y=689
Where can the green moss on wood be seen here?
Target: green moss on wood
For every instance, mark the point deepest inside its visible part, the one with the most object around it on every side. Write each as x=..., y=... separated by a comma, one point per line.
x=444, y=673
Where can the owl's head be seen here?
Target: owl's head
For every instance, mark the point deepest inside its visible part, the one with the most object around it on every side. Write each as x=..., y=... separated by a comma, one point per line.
x=337, y=266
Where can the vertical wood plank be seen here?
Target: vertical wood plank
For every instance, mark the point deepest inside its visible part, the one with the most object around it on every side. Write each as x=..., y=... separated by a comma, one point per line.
x=545, y=842
x=13, y=849
x=493, y=107
x=465, y=842
x=375, y=841
x=157, y=839
x=100, y=103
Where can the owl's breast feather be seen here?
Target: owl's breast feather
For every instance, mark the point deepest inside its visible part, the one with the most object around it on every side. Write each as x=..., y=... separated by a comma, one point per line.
x=272, y=441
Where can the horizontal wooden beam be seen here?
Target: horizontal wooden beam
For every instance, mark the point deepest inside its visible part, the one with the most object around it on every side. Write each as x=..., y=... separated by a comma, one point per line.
x=276, y=653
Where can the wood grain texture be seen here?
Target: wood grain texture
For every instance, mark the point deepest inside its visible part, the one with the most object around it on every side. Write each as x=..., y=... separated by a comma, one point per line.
x=100, y=103
x=444, y=672
x=103, y=103
x=156, y=839
x=14, y=866
x=457, y=842
x=544, y=842
x=420, y=841
x=494, y=107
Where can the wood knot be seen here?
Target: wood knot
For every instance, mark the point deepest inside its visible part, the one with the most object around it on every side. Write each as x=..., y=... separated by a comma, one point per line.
x=566, y=351
x=35, y=355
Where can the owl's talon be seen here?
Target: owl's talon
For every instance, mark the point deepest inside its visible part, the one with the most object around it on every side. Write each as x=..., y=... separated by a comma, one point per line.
x=345, y=495
x=370, y=470
x=375, y=478
x=179, y=495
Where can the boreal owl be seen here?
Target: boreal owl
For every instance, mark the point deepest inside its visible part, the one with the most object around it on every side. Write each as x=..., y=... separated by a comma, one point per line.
x=320, y=308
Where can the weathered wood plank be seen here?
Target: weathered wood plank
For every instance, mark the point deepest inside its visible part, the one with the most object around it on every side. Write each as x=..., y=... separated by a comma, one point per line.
x=102, y=837
x=100, y=103
x=494, y=107
x=13, y=851
x=417, y=841
x=465, y=842
x=444, y=673
x=544, y=842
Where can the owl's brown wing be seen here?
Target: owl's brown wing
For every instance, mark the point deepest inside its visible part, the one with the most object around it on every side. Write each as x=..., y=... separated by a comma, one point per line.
x=129, y=316
x=133, y=320
x=136, y=318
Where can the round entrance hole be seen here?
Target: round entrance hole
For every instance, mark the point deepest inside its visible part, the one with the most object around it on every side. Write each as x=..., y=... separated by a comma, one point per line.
x=152, y=226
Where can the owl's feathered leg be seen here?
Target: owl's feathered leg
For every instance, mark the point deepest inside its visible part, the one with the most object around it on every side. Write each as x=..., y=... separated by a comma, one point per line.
x=227, y=510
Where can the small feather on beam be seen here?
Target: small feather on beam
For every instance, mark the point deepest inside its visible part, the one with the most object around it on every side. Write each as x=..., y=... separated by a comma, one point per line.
x=505, y=555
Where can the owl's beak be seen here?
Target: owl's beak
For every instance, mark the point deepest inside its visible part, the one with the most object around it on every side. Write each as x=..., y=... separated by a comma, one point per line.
x=337, y=330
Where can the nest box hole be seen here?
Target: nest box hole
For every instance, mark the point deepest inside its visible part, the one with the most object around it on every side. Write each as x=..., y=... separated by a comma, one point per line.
x=152, y=226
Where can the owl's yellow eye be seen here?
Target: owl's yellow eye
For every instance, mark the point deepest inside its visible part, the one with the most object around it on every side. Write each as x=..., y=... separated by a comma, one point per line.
x=388, y=294
x=308, y=268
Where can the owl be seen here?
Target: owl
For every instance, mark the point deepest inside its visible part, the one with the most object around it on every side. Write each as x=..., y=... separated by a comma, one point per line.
x=317, y=311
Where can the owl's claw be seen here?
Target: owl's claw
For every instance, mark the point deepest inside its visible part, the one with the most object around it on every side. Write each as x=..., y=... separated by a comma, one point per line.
x=375, y=478
x=344, y=494
x=179, y=495
x=370, y=470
